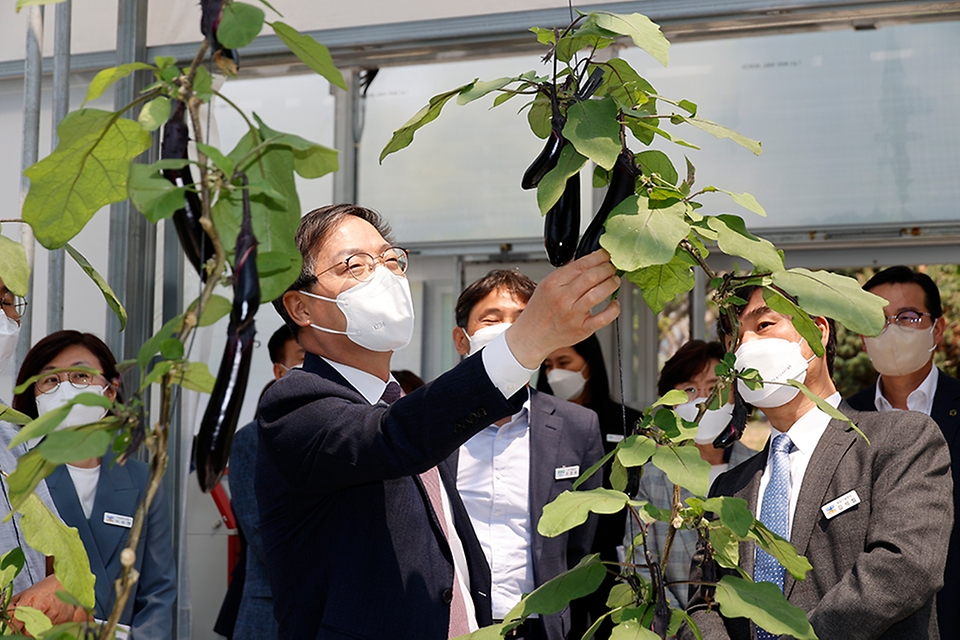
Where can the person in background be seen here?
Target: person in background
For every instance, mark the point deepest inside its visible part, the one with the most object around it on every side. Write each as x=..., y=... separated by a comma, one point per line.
x=691, y=369
x=903, y=355
x=409, y=381
x=578, y=374
x=255, y=617
x=512, y=468
x=98, y=496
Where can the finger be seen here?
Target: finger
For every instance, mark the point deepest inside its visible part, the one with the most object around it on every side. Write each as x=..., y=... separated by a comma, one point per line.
x=587, y=280
x=597, y=294
x=601, y=319
x=572, y=270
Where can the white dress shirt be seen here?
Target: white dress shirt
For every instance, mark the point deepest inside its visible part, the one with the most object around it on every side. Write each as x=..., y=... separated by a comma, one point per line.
x=493, y=478
x=805, y=434
x=509, y=376
x=920, y=399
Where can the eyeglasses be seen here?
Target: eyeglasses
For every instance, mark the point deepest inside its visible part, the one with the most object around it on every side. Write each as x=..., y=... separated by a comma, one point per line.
x=78, y=379
x=362, y=265
x=10, y=301
x=908, y=318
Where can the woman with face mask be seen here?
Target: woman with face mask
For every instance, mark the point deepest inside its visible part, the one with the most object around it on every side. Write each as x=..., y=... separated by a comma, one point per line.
x=578, y=374
x=99, y=496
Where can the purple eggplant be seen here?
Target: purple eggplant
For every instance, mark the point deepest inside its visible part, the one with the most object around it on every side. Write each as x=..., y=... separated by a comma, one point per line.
x=661, y=611
x=548, y=158
x=212, y=445
x=194, y=240
x=561, y=225
x=623, y=184
x=227, y=60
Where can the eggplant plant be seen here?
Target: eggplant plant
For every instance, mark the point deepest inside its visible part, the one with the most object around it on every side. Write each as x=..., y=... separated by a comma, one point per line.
x=235, y=212
x=590, y=108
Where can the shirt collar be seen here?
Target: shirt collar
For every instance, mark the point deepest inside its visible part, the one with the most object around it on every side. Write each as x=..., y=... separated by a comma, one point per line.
x=370, y=386
x=807, y=430
x=920, y=399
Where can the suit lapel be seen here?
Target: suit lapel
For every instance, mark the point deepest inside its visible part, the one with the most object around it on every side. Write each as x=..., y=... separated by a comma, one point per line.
x=834, y=443
x=544, y=428
x=64, y=495
x=750, y=481
x=946, y=407
x=116, y=494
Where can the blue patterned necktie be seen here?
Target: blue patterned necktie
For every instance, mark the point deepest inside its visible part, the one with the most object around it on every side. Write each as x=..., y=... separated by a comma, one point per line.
x=775, y=514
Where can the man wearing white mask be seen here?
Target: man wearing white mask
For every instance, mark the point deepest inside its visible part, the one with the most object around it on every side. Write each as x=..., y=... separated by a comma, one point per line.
x=870, y=518
x=508, y=471
x=903, y=355
x=364, y=532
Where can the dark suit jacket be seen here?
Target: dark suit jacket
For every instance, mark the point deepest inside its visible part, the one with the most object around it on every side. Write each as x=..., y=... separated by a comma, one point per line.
x=876, y=566
x=120, y=488
x=946, y=413
x=353, y=548
x=561, y=434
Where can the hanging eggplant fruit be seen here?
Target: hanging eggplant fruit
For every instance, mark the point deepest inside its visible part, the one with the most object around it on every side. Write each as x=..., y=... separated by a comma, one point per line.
x=623, y=184
x=547, y=159
x=227, y=60
x=194, y=240
x=561, y=225
x=212, y=445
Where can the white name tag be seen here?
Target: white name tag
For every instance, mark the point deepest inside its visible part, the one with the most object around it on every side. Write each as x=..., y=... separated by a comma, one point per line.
x=565, y=473
x=841, y=504
x=614, y=437
x=117, y=520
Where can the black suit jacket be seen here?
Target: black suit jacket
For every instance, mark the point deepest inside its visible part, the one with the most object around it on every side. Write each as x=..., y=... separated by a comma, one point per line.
x=946, y=413
x=876, y=566
x=353, y=547
x=562, y=434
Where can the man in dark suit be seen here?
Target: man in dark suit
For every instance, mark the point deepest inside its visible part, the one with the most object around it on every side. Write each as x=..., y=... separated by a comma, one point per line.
x=868, y=517
x=362, y=538
x=510, y=470
x=903, y=355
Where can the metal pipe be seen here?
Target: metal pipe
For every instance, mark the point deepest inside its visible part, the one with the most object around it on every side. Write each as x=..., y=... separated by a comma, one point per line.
x=32, y=77
x=61, y=105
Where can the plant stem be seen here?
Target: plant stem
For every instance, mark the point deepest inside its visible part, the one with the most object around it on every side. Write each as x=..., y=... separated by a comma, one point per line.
x=688, y=246
x=672, y=531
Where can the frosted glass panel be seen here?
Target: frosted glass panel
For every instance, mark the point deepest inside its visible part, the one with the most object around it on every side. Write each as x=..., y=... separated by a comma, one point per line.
x=857, y=126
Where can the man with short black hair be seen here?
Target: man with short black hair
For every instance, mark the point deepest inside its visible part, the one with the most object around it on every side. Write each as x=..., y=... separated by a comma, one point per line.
x=512, y=468
x=903, y=355
x=364, y=532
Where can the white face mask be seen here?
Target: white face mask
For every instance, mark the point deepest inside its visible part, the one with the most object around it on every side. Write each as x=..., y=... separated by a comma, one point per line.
x=79, y=414
x=713, y=422
x=9, y=334
x=899, y=351
x=566, y=384
x=379, y=312
x=484, y=336
x=777, y=360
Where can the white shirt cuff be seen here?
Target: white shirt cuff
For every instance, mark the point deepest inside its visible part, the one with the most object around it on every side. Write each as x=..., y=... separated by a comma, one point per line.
x=507, y=375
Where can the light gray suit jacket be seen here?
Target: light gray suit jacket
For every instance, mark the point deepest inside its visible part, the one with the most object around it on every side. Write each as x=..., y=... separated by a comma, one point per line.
x=877, y=566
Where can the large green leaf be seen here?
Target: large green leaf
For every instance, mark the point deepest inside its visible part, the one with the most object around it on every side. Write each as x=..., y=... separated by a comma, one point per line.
x=112, y=300
x=310, y=160
x=87, y=171
x=571, y=509
x=47, y=534
x=822, y=293
x=592, y=128
x=726, y=547
x=721, y=132
x=40, y=426
x=734, y=240
x=764, y=603
x=481, y=88
x=827, y=408
x=632, y=630
x=34, y=621
x=657, y=162
x=151, y=347
x=644, y=32
x=274, y=225
x=153, y=195
x=14, y=269
x=637, y=236
x=197, y=377
x=403, y=136
x=239, y=24
x=31, y=469
x=11, y=415
x=622, y=83
x=79, y=443
x=733, y=513
x=785, y=553
x=802, y=321
x=154, y=113
x=552, y=185
x=661, y=283
x=746, y=201
x=311, y=53
x=685, y=467
x=217, y=307
x=635, y=450
x=540, y=116
x=106, y=78
x=555, y=594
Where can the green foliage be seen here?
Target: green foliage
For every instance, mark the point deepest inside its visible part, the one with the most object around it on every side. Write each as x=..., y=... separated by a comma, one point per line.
x=14, y=269
x=111, y=298
x=764, y=603
x=592, y=128
x=639, y=236
x=822, y=293
x=108, y=77
x=552, y=185
x=571, y=508
x=684, y=467
x=310, y=52
x=239, y=24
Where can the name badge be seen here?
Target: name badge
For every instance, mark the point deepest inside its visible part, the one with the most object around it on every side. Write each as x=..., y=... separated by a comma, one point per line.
x=565, y=473
x=841, y=504
x=614, y=437
x=117, y=520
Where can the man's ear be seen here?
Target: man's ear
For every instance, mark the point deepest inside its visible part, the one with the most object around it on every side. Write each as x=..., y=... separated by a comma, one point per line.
x=824, y=325
x=938, y=328
x=461, y=341
x=298, y=312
